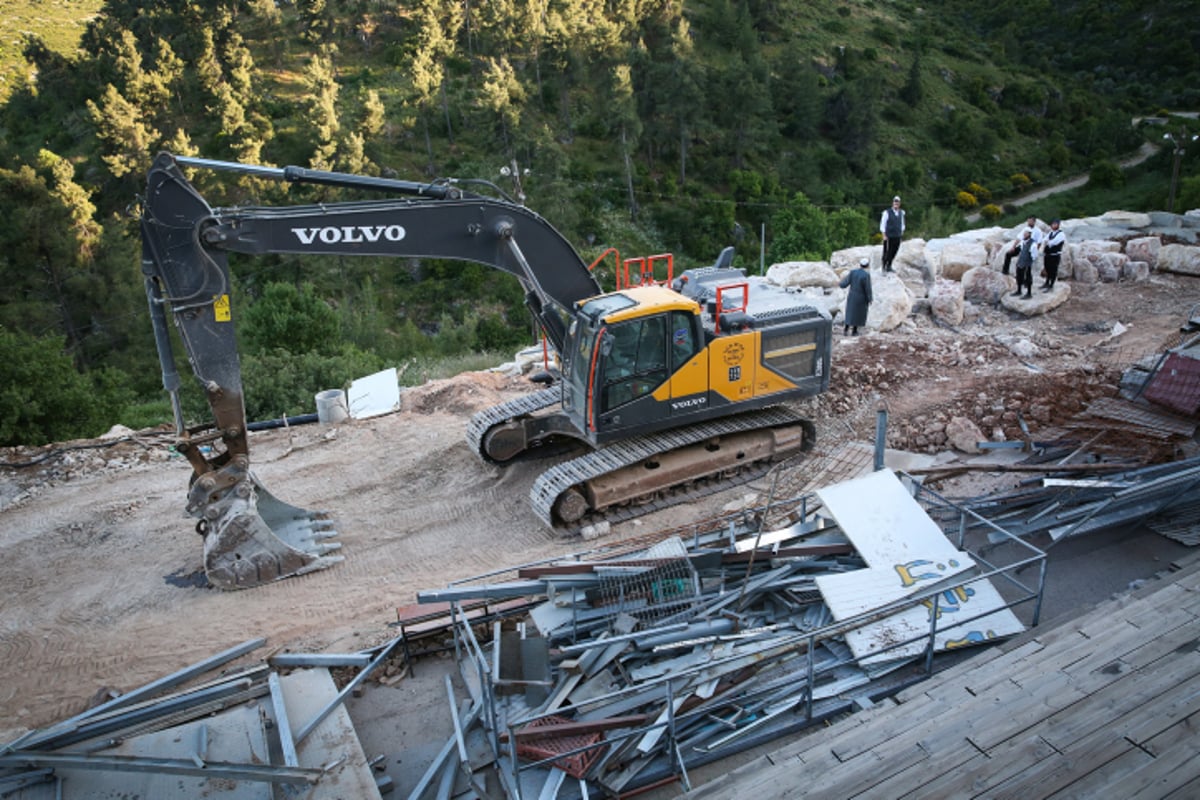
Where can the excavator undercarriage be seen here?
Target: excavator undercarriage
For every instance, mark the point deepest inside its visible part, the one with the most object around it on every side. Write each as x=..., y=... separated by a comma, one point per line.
x=636, y=476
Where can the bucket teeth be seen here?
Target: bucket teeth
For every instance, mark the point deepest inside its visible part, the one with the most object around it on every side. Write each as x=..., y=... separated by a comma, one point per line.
x=257, y=538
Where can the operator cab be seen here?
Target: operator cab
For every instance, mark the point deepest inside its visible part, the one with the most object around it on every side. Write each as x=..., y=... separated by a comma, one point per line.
x=634, y=354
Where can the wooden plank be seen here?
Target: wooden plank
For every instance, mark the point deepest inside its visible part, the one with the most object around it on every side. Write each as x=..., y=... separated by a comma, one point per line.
x=1136, y=681
x=894, y=723
x=1171, y=768
x=950, y=777
x=1100, y=650
x=1188, y=791
x=1107, y=742
x=1061, y=769
x=952, y=679
x=932, y=753
x=1054, y=657
x=821, y=738
x=1140, y=694
x=865, y=772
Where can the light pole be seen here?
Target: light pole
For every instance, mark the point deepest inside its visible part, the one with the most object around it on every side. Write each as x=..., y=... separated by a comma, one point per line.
x=1178, y=142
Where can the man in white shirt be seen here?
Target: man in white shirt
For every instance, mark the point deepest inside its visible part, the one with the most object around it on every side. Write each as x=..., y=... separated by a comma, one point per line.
x=891, y=225
x=1014, y=249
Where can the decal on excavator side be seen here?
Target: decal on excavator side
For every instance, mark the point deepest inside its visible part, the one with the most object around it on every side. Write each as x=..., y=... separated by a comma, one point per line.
x=350, y=234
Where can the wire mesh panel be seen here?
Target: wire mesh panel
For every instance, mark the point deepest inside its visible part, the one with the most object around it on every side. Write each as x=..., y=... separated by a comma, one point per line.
x=660, y=585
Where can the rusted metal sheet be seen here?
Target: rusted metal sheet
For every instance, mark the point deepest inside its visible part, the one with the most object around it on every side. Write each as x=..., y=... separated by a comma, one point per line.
x=1176, y=385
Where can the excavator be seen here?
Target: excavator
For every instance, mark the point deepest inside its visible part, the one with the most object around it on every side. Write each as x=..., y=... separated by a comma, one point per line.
x=668, y=386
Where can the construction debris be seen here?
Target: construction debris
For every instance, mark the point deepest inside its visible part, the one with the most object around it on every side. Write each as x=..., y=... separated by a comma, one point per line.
x=233, y=737
x=637, y=665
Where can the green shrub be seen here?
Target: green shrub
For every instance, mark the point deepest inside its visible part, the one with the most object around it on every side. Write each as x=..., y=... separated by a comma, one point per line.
x=43, y=398
x=1019, y=181
x=981, y=193
x=991, y=211
x=1106, y=175
x=1189, y=194
x=289, y=318
x=280, y=383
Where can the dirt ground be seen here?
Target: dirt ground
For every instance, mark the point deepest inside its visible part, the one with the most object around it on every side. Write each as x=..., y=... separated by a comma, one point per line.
x=99, y=566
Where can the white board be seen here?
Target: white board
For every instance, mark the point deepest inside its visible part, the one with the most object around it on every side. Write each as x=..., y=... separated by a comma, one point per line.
x=374, y=395
x=907, y=554
x=884, y=522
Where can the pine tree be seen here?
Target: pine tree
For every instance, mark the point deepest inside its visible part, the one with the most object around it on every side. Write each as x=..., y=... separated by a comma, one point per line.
x=123, y=133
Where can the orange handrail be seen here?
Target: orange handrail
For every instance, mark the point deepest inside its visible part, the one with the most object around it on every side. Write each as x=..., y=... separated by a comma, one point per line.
x=616, y=264
x=744, y=287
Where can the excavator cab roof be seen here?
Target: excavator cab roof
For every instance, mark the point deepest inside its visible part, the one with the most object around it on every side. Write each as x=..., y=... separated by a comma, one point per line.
x=637, y=301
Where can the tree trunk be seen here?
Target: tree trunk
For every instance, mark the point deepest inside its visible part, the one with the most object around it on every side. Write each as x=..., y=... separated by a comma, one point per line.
x=683, y=138
x=633, y=207
x=428, y=145
x=446, y=112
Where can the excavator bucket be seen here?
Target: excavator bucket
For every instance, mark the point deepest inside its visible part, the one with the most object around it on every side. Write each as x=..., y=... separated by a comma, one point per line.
x=251, y=538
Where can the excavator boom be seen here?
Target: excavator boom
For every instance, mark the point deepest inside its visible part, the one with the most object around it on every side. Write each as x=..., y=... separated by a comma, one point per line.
x=250, y=536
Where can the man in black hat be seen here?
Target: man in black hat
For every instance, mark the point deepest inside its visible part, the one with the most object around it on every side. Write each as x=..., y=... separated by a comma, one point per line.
x=891, y=225
x=1052, y=254
x=1025, y=258
x=858, y=298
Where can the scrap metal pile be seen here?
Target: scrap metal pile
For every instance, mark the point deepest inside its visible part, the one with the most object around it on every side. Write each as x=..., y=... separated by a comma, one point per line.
x=634, y=666
x=253, y=732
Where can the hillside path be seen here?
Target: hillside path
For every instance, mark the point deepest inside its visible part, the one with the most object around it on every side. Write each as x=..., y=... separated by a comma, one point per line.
x=1144, y=152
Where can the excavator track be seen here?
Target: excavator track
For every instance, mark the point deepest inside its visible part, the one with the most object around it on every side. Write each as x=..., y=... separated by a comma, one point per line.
x=485, y=420
x=554, y=484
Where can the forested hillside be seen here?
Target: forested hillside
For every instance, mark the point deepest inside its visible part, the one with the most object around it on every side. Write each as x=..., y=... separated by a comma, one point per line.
x=649, y=125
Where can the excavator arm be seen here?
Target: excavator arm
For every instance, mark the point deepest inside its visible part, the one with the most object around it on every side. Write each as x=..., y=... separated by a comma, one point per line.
x=250, y=536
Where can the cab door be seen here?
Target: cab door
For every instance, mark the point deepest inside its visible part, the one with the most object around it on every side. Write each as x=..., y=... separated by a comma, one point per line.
x=687, y=391
x=633, y=365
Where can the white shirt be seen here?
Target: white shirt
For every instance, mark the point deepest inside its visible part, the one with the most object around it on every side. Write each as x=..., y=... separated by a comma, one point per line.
x=883, y=220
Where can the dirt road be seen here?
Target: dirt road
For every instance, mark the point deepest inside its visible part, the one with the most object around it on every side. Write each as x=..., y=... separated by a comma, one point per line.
x=1144, y=152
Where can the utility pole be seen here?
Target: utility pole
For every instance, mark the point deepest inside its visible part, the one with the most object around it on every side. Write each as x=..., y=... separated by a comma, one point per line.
x=1178, y=143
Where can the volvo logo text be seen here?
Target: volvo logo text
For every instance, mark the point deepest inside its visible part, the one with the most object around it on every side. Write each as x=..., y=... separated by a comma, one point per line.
x=350, y=234
x=682, y=404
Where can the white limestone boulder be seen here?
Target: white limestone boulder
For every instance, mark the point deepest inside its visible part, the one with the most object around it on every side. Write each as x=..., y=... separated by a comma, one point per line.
x=1136, y=271
x=842, y=260
x=911, y=256
x=1085, y=271
x=985, y=286
x=800, y=274
x=831, y=301
x=1039, y=303
x=892, y=301
x=946, y=302
x=964, y=435
x=1110, y=266
x=959, y=257
x=1092, y=249
x=1144, y=248
x=1125, y=219
x=1180, y=258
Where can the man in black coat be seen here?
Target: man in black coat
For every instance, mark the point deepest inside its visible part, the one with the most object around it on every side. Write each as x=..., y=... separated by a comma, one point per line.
x=858, y=298
x=1052, y=254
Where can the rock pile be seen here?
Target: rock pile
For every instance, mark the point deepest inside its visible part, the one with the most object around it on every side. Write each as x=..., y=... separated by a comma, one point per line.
x=962, y=270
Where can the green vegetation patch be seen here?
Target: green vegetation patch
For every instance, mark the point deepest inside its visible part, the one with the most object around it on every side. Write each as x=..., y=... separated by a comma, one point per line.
x=59, y=23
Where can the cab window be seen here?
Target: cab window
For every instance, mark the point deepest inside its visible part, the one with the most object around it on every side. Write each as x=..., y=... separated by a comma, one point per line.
x=635, y=360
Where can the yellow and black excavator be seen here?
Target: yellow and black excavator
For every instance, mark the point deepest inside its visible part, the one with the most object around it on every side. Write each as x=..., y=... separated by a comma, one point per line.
x=672, y=385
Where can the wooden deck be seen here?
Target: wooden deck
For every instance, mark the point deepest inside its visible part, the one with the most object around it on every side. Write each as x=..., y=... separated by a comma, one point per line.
x=1106, y=705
